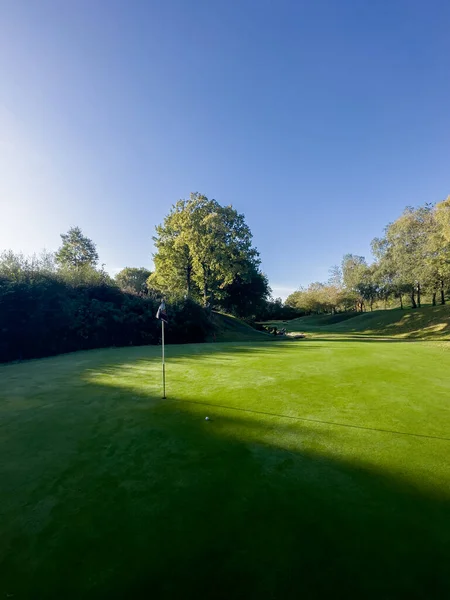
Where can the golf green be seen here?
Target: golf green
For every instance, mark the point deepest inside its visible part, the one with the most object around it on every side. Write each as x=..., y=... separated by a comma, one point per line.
x=323, y=471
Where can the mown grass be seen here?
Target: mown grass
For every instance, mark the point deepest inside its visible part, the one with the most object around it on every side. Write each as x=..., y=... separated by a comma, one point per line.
x=323, y=472
x=231, y=329
x=429, y=322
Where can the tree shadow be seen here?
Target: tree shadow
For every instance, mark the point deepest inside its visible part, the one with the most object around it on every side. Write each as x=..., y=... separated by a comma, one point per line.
x=131, y=496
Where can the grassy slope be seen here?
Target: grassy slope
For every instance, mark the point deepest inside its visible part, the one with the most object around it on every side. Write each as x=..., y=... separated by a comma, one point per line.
x=231, y=329
x=298, y=486
x=430, y=322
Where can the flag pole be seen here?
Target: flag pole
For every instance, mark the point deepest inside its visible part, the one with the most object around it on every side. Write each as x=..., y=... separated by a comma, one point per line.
x=162, y=316
x=163, y=364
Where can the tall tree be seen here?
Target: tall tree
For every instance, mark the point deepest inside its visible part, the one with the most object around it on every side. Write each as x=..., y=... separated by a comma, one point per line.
x=440, y=245
x=405, y=250
x=76, y=250
x=202, y=247
x=443, y=217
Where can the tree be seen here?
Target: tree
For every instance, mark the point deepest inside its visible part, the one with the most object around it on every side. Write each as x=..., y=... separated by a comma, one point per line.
x=439, y=243
x=133, y=279
x=369, y=285
x=442, y=212
x=219, y=244
x=335, y=278
x=353, y=273
x=173, y=261
x=203, y=247
x=246, y=298
x=390, y=280
x=76, y=250
x=406, y=248
x=16, y=266
x=317, y=298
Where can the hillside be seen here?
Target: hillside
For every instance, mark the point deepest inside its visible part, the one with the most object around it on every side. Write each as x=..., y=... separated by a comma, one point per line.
x=429, y=322
x=231, y=329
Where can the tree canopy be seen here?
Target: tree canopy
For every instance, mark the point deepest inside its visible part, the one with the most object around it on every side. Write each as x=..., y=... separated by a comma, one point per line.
x=133, y=279
x=204, y=250
x=76, y=250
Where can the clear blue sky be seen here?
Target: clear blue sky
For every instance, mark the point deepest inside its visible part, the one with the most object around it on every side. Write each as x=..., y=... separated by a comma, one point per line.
x=318, y=120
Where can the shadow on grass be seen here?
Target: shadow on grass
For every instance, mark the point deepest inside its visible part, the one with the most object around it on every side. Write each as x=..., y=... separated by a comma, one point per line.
x=149, y=500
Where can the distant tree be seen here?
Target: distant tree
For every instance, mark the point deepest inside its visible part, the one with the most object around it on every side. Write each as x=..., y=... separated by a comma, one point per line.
x=85, y=274
x=46, y=261
x=391, y=282
x=353, y=273
x=439, y=248
x=368, y=287
x=405, y=249
x=443, y=217
x=76, y=250
x=16, y=266
x=133, y=279
x=317, y=298
x=335, y=278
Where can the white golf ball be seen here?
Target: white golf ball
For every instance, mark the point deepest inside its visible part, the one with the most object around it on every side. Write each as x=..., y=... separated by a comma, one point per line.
x=206, y=418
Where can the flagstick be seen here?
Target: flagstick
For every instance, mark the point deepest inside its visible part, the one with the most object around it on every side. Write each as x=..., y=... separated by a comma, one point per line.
x=163, y=364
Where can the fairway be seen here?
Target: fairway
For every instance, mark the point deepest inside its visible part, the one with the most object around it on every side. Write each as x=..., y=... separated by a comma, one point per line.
x=324, y=471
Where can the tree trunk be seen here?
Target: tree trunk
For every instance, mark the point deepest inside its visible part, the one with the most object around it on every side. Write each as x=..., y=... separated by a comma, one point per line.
x=418, y=295
x=205, y=272
x=413, y=298
x=371, y=304
x=188, y=281
x=434, y=298
x=442, y=292
x=401, y=301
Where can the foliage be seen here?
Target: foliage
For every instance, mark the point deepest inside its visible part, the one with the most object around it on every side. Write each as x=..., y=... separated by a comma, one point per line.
x=132, y=279
x=277, y=310
x=317, y=298
x=76, y=250
x=45, y=313
x=205, y=250
x=246, y=298
x=411, y=259
x=16, y=266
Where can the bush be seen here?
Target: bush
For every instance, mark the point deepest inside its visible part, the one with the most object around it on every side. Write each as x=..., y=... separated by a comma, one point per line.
x=42, y=314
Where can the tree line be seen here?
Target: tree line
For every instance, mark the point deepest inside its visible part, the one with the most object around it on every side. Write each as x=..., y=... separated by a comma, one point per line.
x=64, y=301
x=412, y=261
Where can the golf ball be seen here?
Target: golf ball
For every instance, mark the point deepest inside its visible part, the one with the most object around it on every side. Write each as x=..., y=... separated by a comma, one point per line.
x=206, y=418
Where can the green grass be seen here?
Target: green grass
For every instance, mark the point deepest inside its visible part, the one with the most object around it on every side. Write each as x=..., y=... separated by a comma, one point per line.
x=231, y=329
x=323, y=473
x=429, y=322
